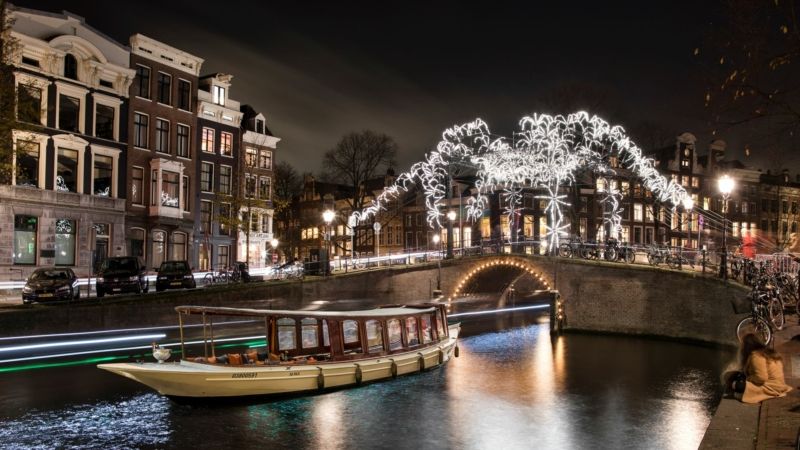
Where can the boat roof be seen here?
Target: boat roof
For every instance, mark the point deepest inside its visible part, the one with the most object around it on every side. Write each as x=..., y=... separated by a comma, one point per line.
x=393, y=310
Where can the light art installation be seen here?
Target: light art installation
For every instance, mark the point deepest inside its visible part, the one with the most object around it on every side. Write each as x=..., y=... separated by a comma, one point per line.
x=545, y=155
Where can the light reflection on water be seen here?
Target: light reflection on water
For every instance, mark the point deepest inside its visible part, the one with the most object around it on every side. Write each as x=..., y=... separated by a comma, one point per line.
x=514, y=388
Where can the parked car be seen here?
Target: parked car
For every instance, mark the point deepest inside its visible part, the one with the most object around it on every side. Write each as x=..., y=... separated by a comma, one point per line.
x=121, y=274
x=53, y=283
x=175, y=275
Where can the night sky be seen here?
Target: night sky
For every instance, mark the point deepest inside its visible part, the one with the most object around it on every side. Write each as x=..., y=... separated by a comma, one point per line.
x=320, y=70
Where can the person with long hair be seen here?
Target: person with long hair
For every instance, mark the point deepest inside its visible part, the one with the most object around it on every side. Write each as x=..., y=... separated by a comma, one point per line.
x=763, y=369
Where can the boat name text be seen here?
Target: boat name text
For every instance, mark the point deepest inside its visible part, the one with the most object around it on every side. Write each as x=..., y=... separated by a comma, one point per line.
x=244, y=375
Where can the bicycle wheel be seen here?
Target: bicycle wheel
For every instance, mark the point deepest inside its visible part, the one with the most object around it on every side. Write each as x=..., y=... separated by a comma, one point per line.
x=759, y=327
x=652, y=259
x=630, y=256
x=208, y=280
x=565, y=251
x=775, y=311
x=610, y=253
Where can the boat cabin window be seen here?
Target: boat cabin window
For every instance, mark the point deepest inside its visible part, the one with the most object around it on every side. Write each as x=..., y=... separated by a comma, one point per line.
x=426, y=328
x=411, y=331
x=287, y=339
x=350, y=337
x=374, y=336
x=326, y=342
x=440, y=323
x=395, y=334
x=310, y=332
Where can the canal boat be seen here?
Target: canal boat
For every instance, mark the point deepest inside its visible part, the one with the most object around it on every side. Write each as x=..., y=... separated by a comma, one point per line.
x=304, y=351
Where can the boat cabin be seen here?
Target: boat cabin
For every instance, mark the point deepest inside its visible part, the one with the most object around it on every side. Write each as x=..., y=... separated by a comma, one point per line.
x=330, y=336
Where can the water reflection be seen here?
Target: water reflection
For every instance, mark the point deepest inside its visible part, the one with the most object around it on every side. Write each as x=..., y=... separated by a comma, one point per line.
x=513, y=388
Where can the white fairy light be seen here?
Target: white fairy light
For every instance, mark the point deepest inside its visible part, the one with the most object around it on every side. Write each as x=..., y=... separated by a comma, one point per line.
x=544, y=155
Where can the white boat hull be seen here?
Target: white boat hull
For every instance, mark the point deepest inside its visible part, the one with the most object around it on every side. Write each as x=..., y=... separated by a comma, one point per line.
x=188, y=379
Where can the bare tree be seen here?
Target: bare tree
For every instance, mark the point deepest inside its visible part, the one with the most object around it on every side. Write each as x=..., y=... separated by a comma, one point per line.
x=288, y=185
x=357, y=158
x=28, y=110
x=753, y=68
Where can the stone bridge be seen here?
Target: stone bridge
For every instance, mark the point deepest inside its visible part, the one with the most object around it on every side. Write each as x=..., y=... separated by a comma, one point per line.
x=597, y=296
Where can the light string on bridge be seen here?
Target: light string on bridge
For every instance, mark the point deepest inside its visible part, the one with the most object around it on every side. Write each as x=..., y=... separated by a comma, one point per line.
x=545, y=154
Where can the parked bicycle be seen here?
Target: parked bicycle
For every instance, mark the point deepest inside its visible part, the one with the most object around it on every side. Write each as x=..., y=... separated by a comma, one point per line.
x=618, y=251
x=657, y=254
x=571, y=247
x=757, y=322
x=677, y=259
x=218, y=276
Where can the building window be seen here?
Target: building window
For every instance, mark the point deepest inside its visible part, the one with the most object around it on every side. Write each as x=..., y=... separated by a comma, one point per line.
x=183, y=141
x=207, y=142
x=264, y=188
x=205, y=215
x=186, y=193
x=184, y=95
x=137, y=242
x=29, y=104
x=178, y=246
x=158, y=248
x=27, y=164
x=25, y=230
x=162, y=136
x=103, y=175
x=265, y=223
x=68, y=113
x=259, y=126
x=67, y=170
x=170, y=188
x=265, y=159
x=207, y=177
x=226, y=144
x=70, y=67
x=140, y=125
x=250, y=186
x=137, y=186
x=164, y=88
x=638, y=212
x=251, y=156
x=222, y=255
x=65, y=242
x=142, y=85
x=219, y=95
x=225, y=180
x=104, y=122
x=254, y=222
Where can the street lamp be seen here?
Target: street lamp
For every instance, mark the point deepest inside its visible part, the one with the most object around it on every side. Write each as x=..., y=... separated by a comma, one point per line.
x=327, y=216
x=274, y=244
x=688, y=204
x=726, y=185
x=436, y=240
x=451, y=217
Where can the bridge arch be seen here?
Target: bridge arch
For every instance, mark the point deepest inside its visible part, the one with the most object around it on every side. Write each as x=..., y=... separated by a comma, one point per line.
x=519, y=267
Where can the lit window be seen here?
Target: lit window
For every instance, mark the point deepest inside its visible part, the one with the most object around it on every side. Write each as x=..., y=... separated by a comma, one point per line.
x=225, y=143
x=25, y=239
x=411, y=331
x=219, y=95
x=207, y=142
x=265, y=159
x=374, y=336
x=395, y=332
x=103, y=175
x=309, y=332
x=67, y=170
x=251, y=154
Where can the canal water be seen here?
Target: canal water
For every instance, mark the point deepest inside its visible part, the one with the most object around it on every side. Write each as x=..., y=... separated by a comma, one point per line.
x=513, y=387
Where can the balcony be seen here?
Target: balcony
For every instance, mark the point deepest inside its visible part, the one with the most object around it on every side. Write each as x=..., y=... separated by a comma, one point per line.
x=61, y=199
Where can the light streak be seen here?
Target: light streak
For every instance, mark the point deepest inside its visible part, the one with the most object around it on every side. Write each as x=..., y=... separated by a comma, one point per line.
x=82, y=342
x=494, y=311
x=121, y=330
x=121, y=349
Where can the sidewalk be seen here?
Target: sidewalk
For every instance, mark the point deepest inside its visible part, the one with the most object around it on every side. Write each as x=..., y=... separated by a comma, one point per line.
x=775, y=423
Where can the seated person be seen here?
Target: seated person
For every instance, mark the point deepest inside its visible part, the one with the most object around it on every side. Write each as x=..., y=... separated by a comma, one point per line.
x=763, y=371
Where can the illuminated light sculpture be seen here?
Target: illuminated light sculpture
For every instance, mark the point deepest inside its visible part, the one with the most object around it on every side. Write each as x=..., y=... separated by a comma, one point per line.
x=545, y=155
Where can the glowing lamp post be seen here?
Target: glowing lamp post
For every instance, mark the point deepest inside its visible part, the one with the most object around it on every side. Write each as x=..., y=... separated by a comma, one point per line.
x=436, y=242
x=451, y=217
x=726, y=185
x=327, y=216
x=274, y=244
x=688, y=204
